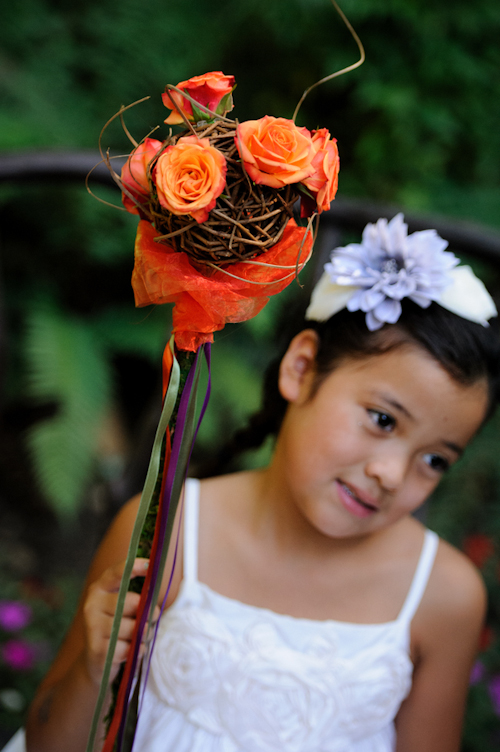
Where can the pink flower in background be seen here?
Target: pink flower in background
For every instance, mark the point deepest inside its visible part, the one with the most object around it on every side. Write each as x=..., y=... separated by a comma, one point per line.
x=19, y=655
x=477, y=673
x=14, y=615
x=494, y=689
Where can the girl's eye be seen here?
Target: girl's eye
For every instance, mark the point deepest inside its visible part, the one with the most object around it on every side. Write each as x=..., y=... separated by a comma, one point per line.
x=382, y=420
x=436, y=462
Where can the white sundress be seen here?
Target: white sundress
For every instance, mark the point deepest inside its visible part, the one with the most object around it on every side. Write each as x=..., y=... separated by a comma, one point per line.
x=229, y=677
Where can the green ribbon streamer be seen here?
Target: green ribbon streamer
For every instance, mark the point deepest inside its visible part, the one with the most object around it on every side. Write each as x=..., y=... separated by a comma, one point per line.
x=178, y=481
x=180, y=474
x=147, y=495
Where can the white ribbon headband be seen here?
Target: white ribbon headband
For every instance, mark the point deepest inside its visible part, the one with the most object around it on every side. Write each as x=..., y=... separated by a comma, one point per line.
x=389, y=265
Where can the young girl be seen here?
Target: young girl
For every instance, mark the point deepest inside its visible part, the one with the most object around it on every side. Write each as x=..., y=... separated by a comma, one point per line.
x=309, y=610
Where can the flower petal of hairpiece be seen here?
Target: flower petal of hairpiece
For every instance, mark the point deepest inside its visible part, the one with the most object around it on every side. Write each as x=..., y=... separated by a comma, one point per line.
x=468, y=297
x=389, y=265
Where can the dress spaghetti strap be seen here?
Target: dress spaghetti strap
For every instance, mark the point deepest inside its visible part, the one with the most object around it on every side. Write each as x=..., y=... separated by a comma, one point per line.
x=421, y=577
x=191, y=512
x=17, y=743
x=190, y=559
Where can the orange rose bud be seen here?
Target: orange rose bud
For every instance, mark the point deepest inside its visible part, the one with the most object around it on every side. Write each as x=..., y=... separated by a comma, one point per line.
x=189, y=177
x=208, y=90
x=275, y=151
x=134, y=174
x=323, y=183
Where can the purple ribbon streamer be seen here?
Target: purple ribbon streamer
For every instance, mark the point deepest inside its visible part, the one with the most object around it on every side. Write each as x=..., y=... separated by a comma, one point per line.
x=207, y=350
x=162, y=522
x=176, y=445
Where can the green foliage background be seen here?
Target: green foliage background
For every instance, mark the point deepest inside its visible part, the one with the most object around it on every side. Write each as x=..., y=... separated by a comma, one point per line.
x=418, y=126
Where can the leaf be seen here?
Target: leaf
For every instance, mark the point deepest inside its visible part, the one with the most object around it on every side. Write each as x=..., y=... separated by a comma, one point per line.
x=226, y=103
x=199, y=114
x=65, y=363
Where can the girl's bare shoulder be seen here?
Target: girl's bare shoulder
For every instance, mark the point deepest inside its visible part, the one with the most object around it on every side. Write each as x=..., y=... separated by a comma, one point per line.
x=228, y=495
x=456, y=582
x=454, y=601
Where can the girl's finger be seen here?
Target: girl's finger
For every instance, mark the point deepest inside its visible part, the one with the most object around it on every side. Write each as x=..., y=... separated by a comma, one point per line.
x=140, y=567
x=122, y=650
x=131, y=604
x=126, y=629
x=103, y=626
x=101, y=602
x=112, y=577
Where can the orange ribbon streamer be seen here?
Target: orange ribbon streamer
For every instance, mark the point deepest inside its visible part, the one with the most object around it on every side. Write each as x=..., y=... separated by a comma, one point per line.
x=121, y=699
x=206, y=302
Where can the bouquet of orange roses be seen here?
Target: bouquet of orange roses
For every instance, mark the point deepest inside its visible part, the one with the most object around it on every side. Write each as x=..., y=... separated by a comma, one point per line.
x=217, y=237
x=217, y=234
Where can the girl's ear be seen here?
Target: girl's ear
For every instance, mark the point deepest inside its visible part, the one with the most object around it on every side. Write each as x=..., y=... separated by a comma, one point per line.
x=297, y=368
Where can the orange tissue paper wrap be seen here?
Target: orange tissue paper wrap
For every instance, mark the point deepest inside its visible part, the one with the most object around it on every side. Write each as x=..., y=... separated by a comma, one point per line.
x=206, y=302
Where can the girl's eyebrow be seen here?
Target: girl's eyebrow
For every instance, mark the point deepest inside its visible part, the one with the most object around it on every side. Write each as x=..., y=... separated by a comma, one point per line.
x=394, y=403
x=398, y=406
x=454, y=447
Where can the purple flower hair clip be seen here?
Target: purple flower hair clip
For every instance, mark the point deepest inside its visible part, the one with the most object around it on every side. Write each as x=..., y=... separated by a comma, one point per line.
x=388, y=265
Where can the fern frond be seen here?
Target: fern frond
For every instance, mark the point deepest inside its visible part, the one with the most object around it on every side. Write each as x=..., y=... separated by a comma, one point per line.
x=65, y=363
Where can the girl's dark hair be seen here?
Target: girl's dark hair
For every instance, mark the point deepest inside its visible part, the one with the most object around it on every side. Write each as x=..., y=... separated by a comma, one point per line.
x=468, y=351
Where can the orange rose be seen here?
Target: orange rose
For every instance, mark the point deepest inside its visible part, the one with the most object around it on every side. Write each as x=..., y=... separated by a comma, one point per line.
x=323, y=182
x=134, y=174
x=212, y=90
x=189, y=177
x=275, y=151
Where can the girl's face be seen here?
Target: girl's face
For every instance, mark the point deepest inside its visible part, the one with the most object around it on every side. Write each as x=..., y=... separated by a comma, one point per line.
x=375, y=439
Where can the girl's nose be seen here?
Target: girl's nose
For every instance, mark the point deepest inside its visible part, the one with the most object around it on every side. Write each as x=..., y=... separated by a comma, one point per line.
x=388, y=468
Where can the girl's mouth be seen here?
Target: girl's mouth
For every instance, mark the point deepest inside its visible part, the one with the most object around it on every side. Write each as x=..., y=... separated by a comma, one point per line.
x=352, y=502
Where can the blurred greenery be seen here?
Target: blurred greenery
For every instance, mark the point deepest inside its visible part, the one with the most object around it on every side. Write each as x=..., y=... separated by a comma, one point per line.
x=417, y=125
